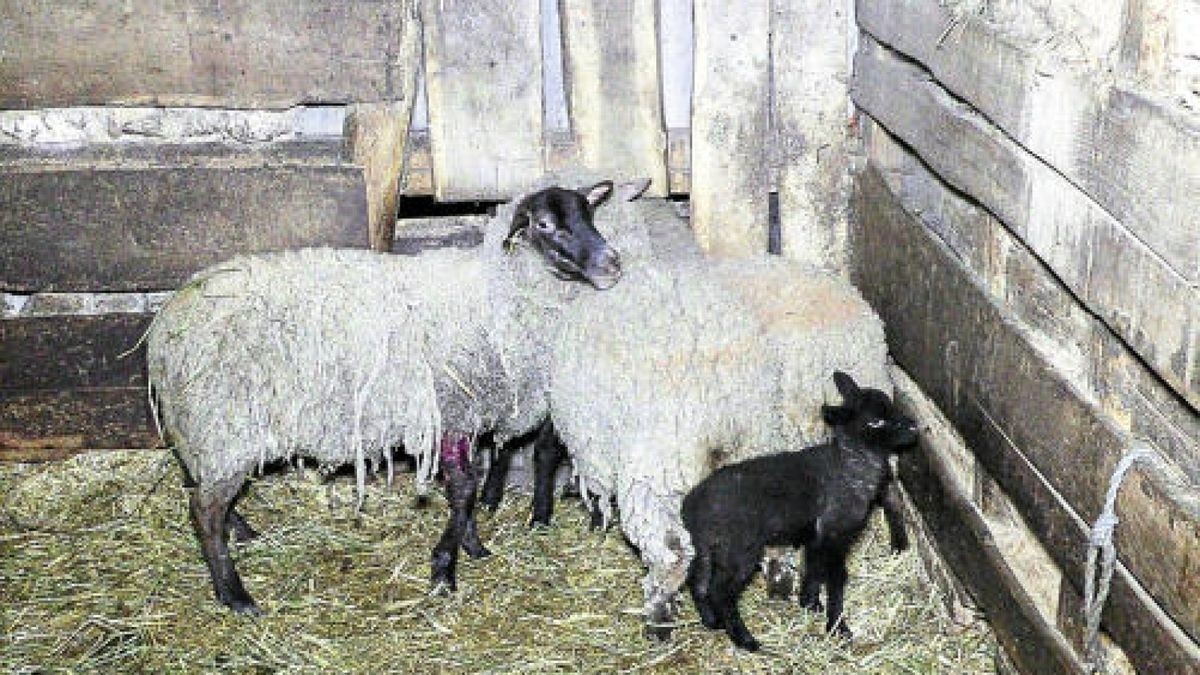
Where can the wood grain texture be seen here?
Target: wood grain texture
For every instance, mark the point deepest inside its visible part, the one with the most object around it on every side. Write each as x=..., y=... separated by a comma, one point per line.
x=1115, y=275
x=483, y=69
x=730, y=177
x=47, y=424
x=145, y=224
x=1137, y=159
x=811, y=75
x=66, y=352
x=611, y=49
x=234, y=53
x=376, y=134
x=1026, y=426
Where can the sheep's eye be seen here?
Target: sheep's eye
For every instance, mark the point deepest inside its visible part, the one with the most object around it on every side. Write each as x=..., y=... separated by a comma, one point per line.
x=877, y=424
x=544, y=225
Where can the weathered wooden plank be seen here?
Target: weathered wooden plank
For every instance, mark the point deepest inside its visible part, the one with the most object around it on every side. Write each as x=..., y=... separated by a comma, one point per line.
x=52, y=422
x=730, y=177
x=66, y=352
x=376, y=134
x=483, y=70
x=962, y=537
x=810, y=112
x=1120, y=279
x=1135, y=158
x=1027, y=426
x=611, y=50
x=1083, y=348
x=111, y=227
x=414, y=235
x=235, y=53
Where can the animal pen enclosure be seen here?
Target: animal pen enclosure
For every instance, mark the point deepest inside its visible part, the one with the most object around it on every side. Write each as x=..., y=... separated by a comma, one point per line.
x=1013, y=185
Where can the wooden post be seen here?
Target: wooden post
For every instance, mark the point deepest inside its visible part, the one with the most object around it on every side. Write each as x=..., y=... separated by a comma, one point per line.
x=376, y=134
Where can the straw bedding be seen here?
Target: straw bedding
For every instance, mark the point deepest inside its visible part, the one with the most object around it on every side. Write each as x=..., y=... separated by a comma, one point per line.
x=99, y=571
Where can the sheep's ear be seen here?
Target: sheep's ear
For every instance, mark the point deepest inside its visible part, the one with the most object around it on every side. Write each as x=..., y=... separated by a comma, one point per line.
x=633, y=189
x=598, y=193
x=846, y=386
x=837, y=415
x=520, y=221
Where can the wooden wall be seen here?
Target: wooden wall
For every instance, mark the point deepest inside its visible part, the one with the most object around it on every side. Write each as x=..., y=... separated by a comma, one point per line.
x=1027, y=228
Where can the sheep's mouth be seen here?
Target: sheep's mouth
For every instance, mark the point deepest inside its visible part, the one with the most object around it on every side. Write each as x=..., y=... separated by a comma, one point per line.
x=567, y=269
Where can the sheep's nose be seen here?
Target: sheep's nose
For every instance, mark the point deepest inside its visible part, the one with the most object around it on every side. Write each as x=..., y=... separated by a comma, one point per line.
x=605, y=269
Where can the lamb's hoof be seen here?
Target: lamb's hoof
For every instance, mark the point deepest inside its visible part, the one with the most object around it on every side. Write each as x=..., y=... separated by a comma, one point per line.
x=812, y=604
x=477, y=551
x=899, y=545
x=840, y=630
x=747, y=642
x=658, y=632
x=242, y=605
x=442, y=585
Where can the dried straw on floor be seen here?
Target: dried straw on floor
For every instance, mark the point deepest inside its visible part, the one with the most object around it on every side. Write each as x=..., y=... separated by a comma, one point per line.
x=99, y=570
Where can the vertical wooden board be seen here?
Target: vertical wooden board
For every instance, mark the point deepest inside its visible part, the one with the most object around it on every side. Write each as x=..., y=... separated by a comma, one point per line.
x=616, y=99
x=483, y=69
x=730, y=119
x=811, y=75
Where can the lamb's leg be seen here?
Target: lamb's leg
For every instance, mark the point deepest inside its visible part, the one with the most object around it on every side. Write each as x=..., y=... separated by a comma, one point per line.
x=210, y=506
x=700, y=583
x=814, y=578
x=779, y=572
x=236, y=523
x=497, y=476
x=836, y=577
x=461, y=530
x=548, y=455
x=727, y=590
x=895, y=517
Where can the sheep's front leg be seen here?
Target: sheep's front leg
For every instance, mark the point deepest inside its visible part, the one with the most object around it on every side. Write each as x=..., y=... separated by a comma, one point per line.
x=779, y=570
x=894, y=515
x=548, y=455
x=461, y=530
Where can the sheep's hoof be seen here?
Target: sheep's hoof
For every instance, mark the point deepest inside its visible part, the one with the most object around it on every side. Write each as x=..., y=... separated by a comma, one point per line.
x=899, y=545
x=242, y=605
x=477, y=551
x=812, y=604
x=841, y=630
x=442, y=587
x=748, y=642
x=658, y=632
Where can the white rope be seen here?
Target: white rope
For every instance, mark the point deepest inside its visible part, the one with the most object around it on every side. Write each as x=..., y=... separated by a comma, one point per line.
x=1101, y=546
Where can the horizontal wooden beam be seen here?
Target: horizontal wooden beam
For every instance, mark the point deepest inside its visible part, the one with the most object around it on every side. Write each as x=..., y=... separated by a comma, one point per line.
x=965, y=542
x=235, y=53
x=414, y=235
x=67, y=352
x=1154, y=309
x=1136, y=158
x=104, y=221
x=52, y=424
x=1027, y=425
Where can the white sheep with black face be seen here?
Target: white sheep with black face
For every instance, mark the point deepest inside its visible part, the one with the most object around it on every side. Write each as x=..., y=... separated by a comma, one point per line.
x=341, y=355
x=691, y=363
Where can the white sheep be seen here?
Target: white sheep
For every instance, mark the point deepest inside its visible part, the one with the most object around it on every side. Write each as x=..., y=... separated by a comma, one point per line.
x=341, y=355
x=691, y=363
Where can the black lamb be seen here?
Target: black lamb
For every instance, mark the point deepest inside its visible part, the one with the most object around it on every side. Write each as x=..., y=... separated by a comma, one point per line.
x=820, y=498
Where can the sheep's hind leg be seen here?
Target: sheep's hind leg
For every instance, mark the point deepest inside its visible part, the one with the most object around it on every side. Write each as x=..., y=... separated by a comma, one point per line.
x=461, y=529
x=497, y=476
x=727, y=590
x=210, y=507
x=814, y=578
x=700, y=584
x=837, y=576
x=548, y=455
x=236, y=523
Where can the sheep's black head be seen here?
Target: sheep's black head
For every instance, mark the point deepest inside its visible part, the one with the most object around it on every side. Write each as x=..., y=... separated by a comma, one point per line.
x=870, y=416
x=558, y=224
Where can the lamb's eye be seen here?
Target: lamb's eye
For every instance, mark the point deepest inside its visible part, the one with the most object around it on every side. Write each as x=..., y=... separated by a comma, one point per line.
x=877, y=424
x=544, y=225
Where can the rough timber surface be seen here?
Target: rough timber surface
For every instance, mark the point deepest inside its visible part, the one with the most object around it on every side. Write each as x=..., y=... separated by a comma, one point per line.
x=1137, y=159
x=1027, y=426
x=483, y=74
x=810, y=78
x=62, y=352
x=730, y=177
x=234, y=53
x=611, y=49
x=51, y=424
x=105, y=221
x=963, y=539
x=1154, y=309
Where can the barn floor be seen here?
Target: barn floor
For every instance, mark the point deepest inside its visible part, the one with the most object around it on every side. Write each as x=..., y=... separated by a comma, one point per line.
x=99, y=570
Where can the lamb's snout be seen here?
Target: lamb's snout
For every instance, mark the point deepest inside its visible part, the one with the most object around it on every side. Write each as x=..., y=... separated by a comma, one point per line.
x=605, y=269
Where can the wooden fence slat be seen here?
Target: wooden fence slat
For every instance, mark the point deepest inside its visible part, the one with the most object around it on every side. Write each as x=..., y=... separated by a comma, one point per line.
x=48, y=423
x=76, y=227
x=483, y=70
x=1113, y=273
x=1026, y=425
x=730, y=154
x=235, y=53
x=616, y=100
x=66, y=352
x=1132, y=156
x=811, y=69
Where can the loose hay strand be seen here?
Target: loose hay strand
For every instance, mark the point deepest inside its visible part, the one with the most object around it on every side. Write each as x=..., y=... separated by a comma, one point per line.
x=113, y=580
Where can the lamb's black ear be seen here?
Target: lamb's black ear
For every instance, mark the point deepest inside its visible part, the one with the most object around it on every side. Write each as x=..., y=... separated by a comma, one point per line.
x=520, y=221
x=598, y=193
x=631, y=190
x=846, y=386
x=837, y=415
